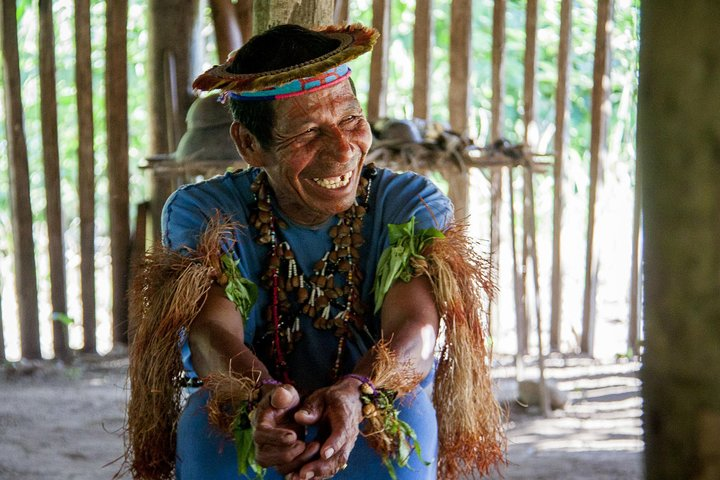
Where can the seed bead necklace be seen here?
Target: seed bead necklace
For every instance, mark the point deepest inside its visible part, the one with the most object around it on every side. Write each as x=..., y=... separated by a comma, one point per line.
x=330, y=296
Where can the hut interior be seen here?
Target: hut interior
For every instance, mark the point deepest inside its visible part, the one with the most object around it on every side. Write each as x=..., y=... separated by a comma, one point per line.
x=584, y=159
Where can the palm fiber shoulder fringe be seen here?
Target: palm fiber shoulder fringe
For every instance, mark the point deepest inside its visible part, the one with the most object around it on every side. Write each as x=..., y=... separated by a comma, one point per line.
x=470, y=420
x=167, y=292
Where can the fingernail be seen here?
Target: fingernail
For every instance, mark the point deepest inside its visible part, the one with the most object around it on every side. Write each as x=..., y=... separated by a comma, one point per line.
x=328, y=453
x=309, y=475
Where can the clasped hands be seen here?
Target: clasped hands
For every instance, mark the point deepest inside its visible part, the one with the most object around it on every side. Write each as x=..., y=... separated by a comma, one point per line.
x=280, y=421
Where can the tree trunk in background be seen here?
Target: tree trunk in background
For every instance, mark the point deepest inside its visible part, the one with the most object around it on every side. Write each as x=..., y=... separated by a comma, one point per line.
x=679, y=147
x=308, y=13
x=174, y=43
x=22, y=223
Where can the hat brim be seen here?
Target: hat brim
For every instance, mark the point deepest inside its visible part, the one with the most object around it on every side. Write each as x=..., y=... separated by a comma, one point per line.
x=354, y=40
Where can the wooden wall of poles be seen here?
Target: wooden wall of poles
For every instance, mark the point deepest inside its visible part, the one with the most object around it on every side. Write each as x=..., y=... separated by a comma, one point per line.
x=118, y=159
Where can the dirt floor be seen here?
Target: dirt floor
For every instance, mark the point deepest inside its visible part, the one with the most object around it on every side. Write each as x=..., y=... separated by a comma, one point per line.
x=63, y=423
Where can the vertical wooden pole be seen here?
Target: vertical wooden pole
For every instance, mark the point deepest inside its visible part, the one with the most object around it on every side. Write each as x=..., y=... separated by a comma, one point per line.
x=23, y=243
x=117, y=152
x=244, y=14
x=678, y=105
x=521, y=328
x=498, y=92
x=51, y=163
x=377, y=95
x=422, y=52
x=561, y=114
x=342, y=11
x=599, y=114
x=459, y=92
x=2, y=335
x=228, y=35
x=635, y=289
x=86, y=170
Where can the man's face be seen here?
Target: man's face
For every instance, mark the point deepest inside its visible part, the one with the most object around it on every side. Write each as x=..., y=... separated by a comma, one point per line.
x=321, y=139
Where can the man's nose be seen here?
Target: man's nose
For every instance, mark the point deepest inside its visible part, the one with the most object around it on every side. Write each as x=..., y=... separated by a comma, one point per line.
x=338, y=144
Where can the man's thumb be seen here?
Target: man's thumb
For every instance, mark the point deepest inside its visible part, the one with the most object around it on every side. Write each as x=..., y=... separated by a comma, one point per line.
x=284, y=397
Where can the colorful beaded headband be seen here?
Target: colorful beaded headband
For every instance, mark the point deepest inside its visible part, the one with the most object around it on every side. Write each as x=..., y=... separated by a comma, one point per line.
x=353, y=41
x=300, y=86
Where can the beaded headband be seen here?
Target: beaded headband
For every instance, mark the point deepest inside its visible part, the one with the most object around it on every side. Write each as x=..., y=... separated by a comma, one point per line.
x=295, y=87
x=353, y=41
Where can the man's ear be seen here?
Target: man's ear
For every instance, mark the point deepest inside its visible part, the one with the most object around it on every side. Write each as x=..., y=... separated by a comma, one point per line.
x=247, y=145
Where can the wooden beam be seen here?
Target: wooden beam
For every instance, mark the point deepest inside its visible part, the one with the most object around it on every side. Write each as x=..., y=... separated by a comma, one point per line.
x=86, y=170
x=422, y=52
x=377, y=95
x=21, y=210
x=496, y=122
x=51, y=163
x=561, y=116
x=118, y=164
x=599, y=114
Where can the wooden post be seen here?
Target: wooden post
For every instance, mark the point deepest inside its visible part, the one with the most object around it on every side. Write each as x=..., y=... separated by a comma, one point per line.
x=23, y=243
x=377, y=101
x=2, y=335
x=342, y=11
x=227, y=29
x=422, y=51
x=301, y=12
x=561, y=114
x=678, y=104
x=599, y=116
x=635, y=288
x=117, y=153
x=51, y=163
x=86, y=173
x=172, y=33
x=498, y=92
x=521, y=324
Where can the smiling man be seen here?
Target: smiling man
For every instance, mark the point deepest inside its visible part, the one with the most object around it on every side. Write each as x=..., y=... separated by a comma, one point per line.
x=311, y=307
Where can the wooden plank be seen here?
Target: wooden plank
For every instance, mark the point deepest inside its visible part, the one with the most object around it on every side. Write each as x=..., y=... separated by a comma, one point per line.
x=51, y=163
x=117, y=153
x=496, y=122
x=422, y=51
x=21, y=210
x=460, y=37
x=377, y=101
x=597, y=156
x=86, y=167
x=561, y=116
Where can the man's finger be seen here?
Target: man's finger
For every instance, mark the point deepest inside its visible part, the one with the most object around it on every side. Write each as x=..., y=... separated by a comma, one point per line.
x=280, y=437
x=311, y=450
x=311, y=410
x=284, y=397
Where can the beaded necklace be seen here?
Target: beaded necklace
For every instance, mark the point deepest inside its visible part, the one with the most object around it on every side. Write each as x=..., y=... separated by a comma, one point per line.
x=333, y=285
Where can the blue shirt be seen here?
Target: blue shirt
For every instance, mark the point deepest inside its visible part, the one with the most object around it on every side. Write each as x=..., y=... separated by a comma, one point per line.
x=394, y=199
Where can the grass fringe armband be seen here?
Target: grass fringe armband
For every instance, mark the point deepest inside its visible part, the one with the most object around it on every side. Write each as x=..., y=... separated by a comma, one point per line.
x=393, y=439
x=231, y=402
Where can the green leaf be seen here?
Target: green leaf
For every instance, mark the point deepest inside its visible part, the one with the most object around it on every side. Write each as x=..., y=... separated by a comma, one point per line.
x=245, y=446
x=241, y=291
x=62, y=318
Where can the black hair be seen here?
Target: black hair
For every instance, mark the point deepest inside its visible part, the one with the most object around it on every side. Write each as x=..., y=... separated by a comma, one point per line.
x=279, y=47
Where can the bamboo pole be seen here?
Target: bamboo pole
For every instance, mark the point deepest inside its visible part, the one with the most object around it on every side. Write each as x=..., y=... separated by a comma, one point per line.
x=86, y=167
x=51, y=163
x=377, y=95
x=561, y=114
x=599, y=115
x=342, y=11
x=422, y=53
x=24, y=245
x=635, y=288
x=497, y=118
x=529, y=234
x=117, y=152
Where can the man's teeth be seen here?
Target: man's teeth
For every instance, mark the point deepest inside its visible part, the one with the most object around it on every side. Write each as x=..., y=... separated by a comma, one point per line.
x=334, y=182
